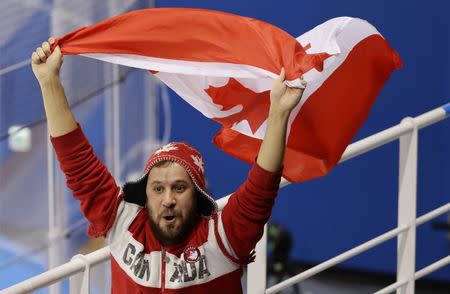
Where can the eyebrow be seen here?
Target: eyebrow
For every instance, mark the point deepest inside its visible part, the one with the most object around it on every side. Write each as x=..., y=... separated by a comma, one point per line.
x=155, y=182
x=180, y=182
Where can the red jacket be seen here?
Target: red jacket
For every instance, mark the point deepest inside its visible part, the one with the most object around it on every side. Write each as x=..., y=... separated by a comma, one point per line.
x=210, y=260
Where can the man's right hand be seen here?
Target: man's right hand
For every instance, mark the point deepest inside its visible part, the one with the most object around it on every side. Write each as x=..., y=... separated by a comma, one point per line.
x=46, y=64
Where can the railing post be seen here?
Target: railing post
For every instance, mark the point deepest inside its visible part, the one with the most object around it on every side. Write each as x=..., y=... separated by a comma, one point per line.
x=80, y=282
x=407, y=186
x=54, y=223
x=256, y=274
x=75, y=282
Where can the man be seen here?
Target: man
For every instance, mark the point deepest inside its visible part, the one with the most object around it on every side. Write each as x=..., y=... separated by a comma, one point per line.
x=164, y=230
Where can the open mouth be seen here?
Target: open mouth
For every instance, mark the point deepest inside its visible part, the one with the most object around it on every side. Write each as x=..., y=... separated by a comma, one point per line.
x=169, y=218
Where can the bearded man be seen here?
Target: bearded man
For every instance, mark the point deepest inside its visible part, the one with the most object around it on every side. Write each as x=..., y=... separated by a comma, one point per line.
x=164, y=230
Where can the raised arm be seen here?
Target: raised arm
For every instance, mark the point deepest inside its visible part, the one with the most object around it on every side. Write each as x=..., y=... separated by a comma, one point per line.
x=86, y=175
x=242, y=221
x=46, y=67
x=282, y=100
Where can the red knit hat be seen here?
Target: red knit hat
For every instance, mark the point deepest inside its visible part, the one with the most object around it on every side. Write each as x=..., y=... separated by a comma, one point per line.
x=192, y=161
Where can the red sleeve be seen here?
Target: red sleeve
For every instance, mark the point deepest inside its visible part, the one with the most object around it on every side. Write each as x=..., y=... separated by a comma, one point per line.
x=89, y=180
x=249, y=209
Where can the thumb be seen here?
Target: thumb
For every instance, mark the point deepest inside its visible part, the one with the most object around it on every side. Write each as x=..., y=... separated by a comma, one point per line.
x=57, y=50
x=282, y=75
x=57, y=54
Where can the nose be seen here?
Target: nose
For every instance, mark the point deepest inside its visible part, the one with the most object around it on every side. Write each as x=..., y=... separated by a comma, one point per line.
x=169, y=200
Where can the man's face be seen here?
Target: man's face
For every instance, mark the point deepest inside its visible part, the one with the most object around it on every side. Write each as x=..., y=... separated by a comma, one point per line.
x=171, y=202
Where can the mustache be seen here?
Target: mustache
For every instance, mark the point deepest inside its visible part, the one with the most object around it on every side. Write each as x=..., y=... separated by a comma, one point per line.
x=169, y=212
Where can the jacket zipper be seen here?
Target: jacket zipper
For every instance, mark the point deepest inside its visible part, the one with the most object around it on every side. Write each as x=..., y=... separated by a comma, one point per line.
x=163, y=270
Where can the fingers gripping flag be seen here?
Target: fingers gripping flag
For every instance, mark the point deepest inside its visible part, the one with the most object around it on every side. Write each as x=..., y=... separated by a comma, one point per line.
x=224, y=65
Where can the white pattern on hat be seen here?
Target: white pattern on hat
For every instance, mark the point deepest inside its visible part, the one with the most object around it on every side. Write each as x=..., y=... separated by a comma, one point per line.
x=166, y=148
x=198, y=161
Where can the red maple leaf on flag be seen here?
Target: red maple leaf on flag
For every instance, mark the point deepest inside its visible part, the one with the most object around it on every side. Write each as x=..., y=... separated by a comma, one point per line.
x=317, y=59
x=255, y=106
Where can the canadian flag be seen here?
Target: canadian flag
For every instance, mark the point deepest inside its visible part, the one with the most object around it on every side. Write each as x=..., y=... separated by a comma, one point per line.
x=224, y=65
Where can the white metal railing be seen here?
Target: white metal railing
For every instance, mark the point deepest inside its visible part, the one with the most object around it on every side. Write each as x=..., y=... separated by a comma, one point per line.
x=406, y=131
x=364, y=247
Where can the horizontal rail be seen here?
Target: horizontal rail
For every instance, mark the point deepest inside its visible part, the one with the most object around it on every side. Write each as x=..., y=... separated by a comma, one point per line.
x=419, y=274
x=15, y=66
x=363, y=247
x=353, y=150
x=395, y=132
x=60, y=272
x=335, y=260
x=432, y=214
x=391, y=134
x=392, y=287
x=432, y=267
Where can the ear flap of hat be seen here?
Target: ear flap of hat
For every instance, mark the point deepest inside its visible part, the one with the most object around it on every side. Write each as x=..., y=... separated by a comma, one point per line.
x=205, y=206
x=134, y=192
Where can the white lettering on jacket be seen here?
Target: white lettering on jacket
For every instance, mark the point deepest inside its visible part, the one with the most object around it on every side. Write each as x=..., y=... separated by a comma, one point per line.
x=145, y=268
x=139, y=265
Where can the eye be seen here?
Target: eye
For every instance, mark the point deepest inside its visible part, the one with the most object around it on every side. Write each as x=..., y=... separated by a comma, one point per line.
x=180, y=188
x=158, y=189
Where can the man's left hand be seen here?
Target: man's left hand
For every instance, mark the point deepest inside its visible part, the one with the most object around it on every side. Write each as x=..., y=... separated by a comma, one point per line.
x=283, y=98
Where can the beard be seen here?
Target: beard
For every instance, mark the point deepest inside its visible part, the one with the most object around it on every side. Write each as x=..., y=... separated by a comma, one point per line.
x=174, y=233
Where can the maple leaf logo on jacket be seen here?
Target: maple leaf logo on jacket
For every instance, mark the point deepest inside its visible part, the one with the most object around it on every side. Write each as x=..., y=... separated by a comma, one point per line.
x=191, y=254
